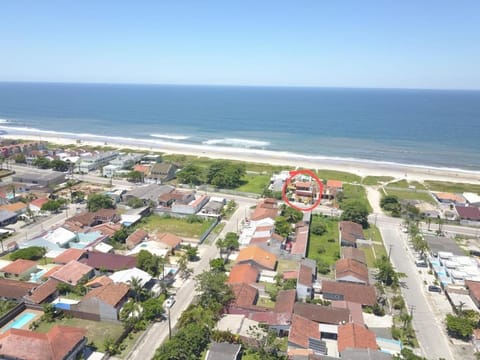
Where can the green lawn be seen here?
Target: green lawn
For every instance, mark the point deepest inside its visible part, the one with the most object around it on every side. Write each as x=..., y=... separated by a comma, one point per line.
x=324, y=247
x=178, y=226
x=265, y=302
x=128, y=342
x=452, y=187
x=326, y=174
x=376, y=180
x=356, y=192
x=286, y=265
x=254, y=183
x=373, y=233
x=411, y=195
x=97, y=331
x=369, y=256
x=405, y=184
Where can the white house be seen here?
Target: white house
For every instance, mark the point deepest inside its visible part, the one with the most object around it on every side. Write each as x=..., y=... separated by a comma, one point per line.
x=60, y=236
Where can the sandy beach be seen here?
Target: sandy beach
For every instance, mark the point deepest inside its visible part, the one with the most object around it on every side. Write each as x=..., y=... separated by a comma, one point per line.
x=359, y=167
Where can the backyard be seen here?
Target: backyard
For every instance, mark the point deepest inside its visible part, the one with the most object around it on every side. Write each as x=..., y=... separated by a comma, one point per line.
x=190, y=227
x=97, y=331
x=324, y=248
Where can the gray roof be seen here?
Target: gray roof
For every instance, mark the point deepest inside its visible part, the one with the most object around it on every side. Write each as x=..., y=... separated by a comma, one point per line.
x=149, y=192
x=223, y=351
x=365, y=354
x=7, y=215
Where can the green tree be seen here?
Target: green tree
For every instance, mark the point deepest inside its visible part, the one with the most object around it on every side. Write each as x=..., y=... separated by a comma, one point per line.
x=214, y=292
x=30, y=253
x=282, y=226
x=191, y=174
x=225, y=174
x=217, y=264
x=42, y=163
x=460, y=327
x=111, y=348
x=152, y=308
x=121, y=235
x=231, y=241
x=386, y=273
x=135, y=203
x=52, y=206
x=48, y=312
x=291, y=215
x=198, y=315
x=59, y=165
x=356, y=211
x=135, y=176
x=391, y=204
x=191, y=252
x=99, y=201
x=183, y=268
x=318, y=228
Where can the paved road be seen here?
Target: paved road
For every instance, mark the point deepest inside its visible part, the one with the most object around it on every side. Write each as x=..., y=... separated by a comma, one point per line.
x=430, y=332
x=158, y=333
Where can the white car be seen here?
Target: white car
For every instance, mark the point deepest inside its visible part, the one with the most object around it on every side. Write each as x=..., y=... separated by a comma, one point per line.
x=169, y=302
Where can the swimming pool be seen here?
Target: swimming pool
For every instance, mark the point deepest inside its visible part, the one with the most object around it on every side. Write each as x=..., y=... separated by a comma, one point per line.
x=20, y=321
x=35, y=277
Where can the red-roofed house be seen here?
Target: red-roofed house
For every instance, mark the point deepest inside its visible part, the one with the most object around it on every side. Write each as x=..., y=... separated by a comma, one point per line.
x=355, y=336
x=171, y=241
x=46, y=292
x=349, y=233
x=356, y=312
x=245, y=297
x=108, y=262
x=361, y=294
x=61, y=342
x=302, y=331
x=36, y=205
x=104, y=301
x=73, y=272
x=285, y=301
x=136, y=238
x=299, y=246
x=474, y=291
x=305, y=283
x=68, y=255
x=348, y=270
x=20, y=268
x=278, y=322
x=266, y=208
x=471, y=213
x=256, y=256
x=332, y=188
x=322, y=314
x=356, y=254
x=243, y=273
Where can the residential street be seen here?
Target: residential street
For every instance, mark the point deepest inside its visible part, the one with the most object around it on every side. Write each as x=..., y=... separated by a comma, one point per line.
x=158, y=333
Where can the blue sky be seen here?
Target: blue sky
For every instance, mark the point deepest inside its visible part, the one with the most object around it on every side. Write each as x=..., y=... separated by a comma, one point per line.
x=402, y=44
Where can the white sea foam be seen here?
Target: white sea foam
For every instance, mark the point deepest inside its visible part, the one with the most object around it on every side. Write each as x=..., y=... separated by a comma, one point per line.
x=245, y=143
x=3, y=121
x=170, y=137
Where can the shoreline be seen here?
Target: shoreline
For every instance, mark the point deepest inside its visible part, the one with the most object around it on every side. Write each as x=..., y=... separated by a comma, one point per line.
x=356, y=166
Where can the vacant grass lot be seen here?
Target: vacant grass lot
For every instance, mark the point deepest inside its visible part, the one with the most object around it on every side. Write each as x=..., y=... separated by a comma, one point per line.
x=452, y=187
x=377, y=250
x=97, y=331
x=286, y=265
x=324, y=247
x=376, y=180
x=356, y=192
x=178, y=226
x=254, y=183
x=405, y=184
x=326, y=174
x=411, y=195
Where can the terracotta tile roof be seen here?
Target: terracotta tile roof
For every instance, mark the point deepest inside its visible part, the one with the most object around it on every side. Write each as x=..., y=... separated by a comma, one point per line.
x=356, y=254
x=15, y=207
x=468, y=212
x=322, y=314
x=39, y=202
x=51, y=271
x=266, y=208
x=85, y=219
x=142, y=168
x=303, y=184
x=474, y=289
x=68, y=255
x=305, y=276
x=99, y=281
x=14, y=289
x=136, y=238
x=107, y=229
x=257, y=255
x=108, y=262
x=356, y=312
x=349, y=267
x=302, y=329
x=245, y=295
x=272, y=318
x=111, y=294
x=351, y=231
x=171, y=240
x=356, y=336
x=42, y=292
x=53, y=345
x=19, y=266
x=285, y=301
x=334, y=184
x=362, y=294
x=291, y=274
x=445, y=196
x=243, y=273
x=72, y=272
x=299, y=246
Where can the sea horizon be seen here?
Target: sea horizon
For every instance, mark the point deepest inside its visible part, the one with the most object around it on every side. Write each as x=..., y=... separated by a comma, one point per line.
x=434, y=128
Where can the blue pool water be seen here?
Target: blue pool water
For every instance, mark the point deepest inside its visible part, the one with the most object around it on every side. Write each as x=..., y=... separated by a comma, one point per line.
x=35, y=277
x=20, y=321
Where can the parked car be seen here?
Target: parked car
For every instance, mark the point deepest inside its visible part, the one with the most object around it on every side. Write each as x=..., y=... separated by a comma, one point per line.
x=169, y=302
x=421, y=263
x=434, y=288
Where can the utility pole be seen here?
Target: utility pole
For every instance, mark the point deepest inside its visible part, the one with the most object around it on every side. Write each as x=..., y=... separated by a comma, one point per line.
x=169, y=325
x=389, y=250
x=412, y=307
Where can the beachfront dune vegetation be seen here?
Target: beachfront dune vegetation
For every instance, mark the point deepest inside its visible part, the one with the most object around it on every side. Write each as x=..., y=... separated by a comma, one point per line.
x=391, y=204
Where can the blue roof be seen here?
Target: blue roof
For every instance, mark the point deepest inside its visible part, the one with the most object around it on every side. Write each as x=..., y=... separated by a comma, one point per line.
x=42, y=243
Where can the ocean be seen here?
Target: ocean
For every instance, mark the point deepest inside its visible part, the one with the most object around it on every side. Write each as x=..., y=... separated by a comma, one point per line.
x=438, y=128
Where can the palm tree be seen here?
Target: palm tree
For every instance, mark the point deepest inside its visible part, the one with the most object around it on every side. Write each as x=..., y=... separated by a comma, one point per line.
x=136, y=286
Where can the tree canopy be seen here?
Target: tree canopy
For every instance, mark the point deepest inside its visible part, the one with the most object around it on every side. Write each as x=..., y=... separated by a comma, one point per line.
x=356, y=211
x=214, y=292
x=191, y=174
x=225, y=174
x=30, y=253
x=282, y=226
x=99, y=201
x=391, y=204
x=291, y=215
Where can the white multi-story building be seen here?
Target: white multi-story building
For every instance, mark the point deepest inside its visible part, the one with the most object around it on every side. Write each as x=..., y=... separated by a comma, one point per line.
x=94, y=162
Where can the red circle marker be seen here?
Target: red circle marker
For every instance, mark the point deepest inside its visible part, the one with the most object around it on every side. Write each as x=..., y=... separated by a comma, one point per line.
x=293, y=174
